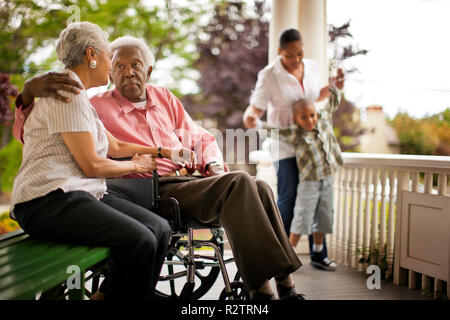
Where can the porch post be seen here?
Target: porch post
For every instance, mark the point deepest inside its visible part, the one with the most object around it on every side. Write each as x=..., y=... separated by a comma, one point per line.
x=284, y=16
x=312, y=24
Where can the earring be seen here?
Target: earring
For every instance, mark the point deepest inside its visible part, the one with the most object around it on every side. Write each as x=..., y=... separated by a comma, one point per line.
x=93, y=64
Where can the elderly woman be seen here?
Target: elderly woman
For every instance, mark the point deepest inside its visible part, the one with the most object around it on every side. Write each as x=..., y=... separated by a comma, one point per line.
x=59, y=192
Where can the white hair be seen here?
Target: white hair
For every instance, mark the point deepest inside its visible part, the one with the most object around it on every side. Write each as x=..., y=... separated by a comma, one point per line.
x=129, y=41
x=76, y=38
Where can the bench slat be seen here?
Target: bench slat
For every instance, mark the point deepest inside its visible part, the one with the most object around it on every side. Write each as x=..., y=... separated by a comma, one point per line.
x=29, y=265
x=53, y=275
x=35, y=250
x=16, y=239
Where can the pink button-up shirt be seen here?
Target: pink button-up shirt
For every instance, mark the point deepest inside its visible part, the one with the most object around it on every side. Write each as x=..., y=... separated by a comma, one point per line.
x=163, y=122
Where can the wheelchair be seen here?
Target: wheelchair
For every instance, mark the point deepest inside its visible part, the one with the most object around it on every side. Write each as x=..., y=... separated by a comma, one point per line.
x=190, y=269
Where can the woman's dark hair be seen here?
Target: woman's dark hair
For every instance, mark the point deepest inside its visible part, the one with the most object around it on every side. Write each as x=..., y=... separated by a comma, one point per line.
x=289, y=35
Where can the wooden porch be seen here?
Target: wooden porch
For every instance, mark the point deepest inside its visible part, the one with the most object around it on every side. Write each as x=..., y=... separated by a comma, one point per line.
x=343, y=284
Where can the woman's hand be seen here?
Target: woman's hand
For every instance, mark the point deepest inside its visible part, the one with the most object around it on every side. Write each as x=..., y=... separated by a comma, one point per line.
x=251, y=117
x=47, y=85
x=144, y=163
x=182, y=156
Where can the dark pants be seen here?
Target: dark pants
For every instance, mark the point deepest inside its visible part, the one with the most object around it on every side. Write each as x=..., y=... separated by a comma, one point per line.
x=137, y=237
x=287, y=174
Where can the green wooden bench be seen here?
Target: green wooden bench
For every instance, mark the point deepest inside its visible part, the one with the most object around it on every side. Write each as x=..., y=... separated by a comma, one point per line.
x=29, y=266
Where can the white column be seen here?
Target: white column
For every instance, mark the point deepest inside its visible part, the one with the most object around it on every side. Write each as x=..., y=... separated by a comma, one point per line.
x=310, y=18
x=312, y=25
x=284, y=16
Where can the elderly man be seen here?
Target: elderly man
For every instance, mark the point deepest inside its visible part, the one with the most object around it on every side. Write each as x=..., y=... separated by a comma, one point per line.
x=145, y=114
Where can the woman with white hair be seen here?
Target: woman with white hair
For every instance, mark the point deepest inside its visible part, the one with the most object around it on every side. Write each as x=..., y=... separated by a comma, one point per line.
x=59, y=192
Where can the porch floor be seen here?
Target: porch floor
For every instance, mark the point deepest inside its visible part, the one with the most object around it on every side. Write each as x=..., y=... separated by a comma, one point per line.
x=343, y=284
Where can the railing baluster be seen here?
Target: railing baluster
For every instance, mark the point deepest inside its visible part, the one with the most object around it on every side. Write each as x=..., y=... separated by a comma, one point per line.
x=345, y=216
x=366, y=233
x=382, y=225
x=352, y=233
x=438, y=288
x=391, y=221
x=374, y=216
x=360, y=222
x=339, y=216
x=332, y=244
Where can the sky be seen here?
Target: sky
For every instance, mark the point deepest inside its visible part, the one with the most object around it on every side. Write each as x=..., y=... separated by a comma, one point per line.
x=408, y=64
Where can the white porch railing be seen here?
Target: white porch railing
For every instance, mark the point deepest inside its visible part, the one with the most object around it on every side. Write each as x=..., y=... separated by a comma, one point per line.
x=389, y=212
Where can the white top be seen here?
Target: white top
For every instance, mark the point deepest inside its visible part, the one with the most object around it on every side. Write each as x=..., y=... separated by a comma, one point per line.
x=276, y=91
x=141, y=104
x=47, y=163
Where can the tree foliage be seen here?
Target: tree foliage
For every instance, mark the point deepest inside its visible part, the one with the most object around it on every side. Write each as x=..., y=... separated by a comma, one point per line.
x=27, y=25
x=346, y=121
x=347, y=125
x=7, y=90
x=427, y=136
x=232, y=49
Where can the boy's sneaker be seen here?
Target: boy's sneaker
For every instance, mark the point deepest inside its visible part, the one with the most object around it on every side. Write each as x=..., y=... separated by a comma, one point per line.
x=324, y=263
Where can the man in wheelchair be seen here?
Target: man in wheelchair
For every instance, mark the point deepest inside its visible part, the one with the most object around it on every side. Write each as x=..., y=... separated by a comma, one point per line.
x=141, y=113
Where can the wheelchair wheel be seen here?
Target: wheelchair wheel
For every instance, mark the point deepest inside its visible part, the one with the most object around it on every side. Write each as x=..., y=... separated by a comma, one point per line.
x=206, y=272
x=238, y=292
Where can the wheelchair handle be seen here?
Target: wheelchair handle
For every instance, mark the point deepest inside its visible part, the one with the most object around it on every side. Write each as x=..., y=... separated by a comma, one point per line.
x=155, y=188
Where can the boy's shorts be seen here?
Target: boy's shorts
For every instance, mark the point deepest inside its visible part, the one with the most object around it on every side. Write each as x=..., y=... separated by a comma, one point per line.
x=313, y=211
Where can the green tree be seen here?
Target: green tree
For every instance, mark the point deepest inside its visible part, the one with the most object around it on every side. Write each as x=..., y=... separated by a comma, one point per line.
x=346, y=122
x=427, y=136
x=232, y=49
x=27, y=26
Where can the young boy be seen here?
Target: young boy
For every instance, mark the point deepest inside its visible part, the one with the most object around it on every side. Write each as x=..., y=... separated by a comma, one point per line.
x=318, y=157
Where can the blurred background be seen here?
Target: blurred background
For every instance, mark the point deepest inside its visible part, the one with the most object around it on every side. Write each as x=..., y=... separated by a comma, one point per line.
x=395, y=55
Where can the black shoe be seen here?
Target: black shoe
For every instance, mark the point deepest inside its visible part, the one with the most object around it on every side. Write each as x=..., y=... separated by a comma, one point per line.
x=295, y=297
x=288, y=293
x=323, y=263
x=261, y=296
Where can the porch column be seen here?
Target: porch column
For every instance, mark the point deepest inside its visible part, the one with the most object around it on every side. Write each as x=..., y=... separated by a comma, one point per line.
x=284, y=16
x=312, y=24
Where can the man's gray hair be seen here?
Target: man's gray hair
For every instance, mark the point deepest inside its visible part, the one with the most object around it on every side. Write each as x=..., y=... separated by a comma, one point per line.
x=76, y=38
x=129, y=41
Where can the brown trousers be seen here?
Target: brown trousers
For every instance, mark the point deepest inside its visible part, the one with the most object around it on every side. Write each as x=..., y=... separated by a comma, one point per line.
x=247, y=210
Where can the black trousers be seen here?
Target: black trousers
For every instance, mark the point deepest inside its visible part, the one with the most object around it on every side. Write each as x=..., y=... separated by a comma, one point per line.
x=138, y=238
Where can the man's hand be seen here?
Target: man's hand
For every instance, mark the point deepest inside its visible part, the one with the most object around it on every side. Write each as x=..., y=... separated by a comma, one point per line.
x=215, y=170
x=144, y=163
x=47, y=85
x=182, y=156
